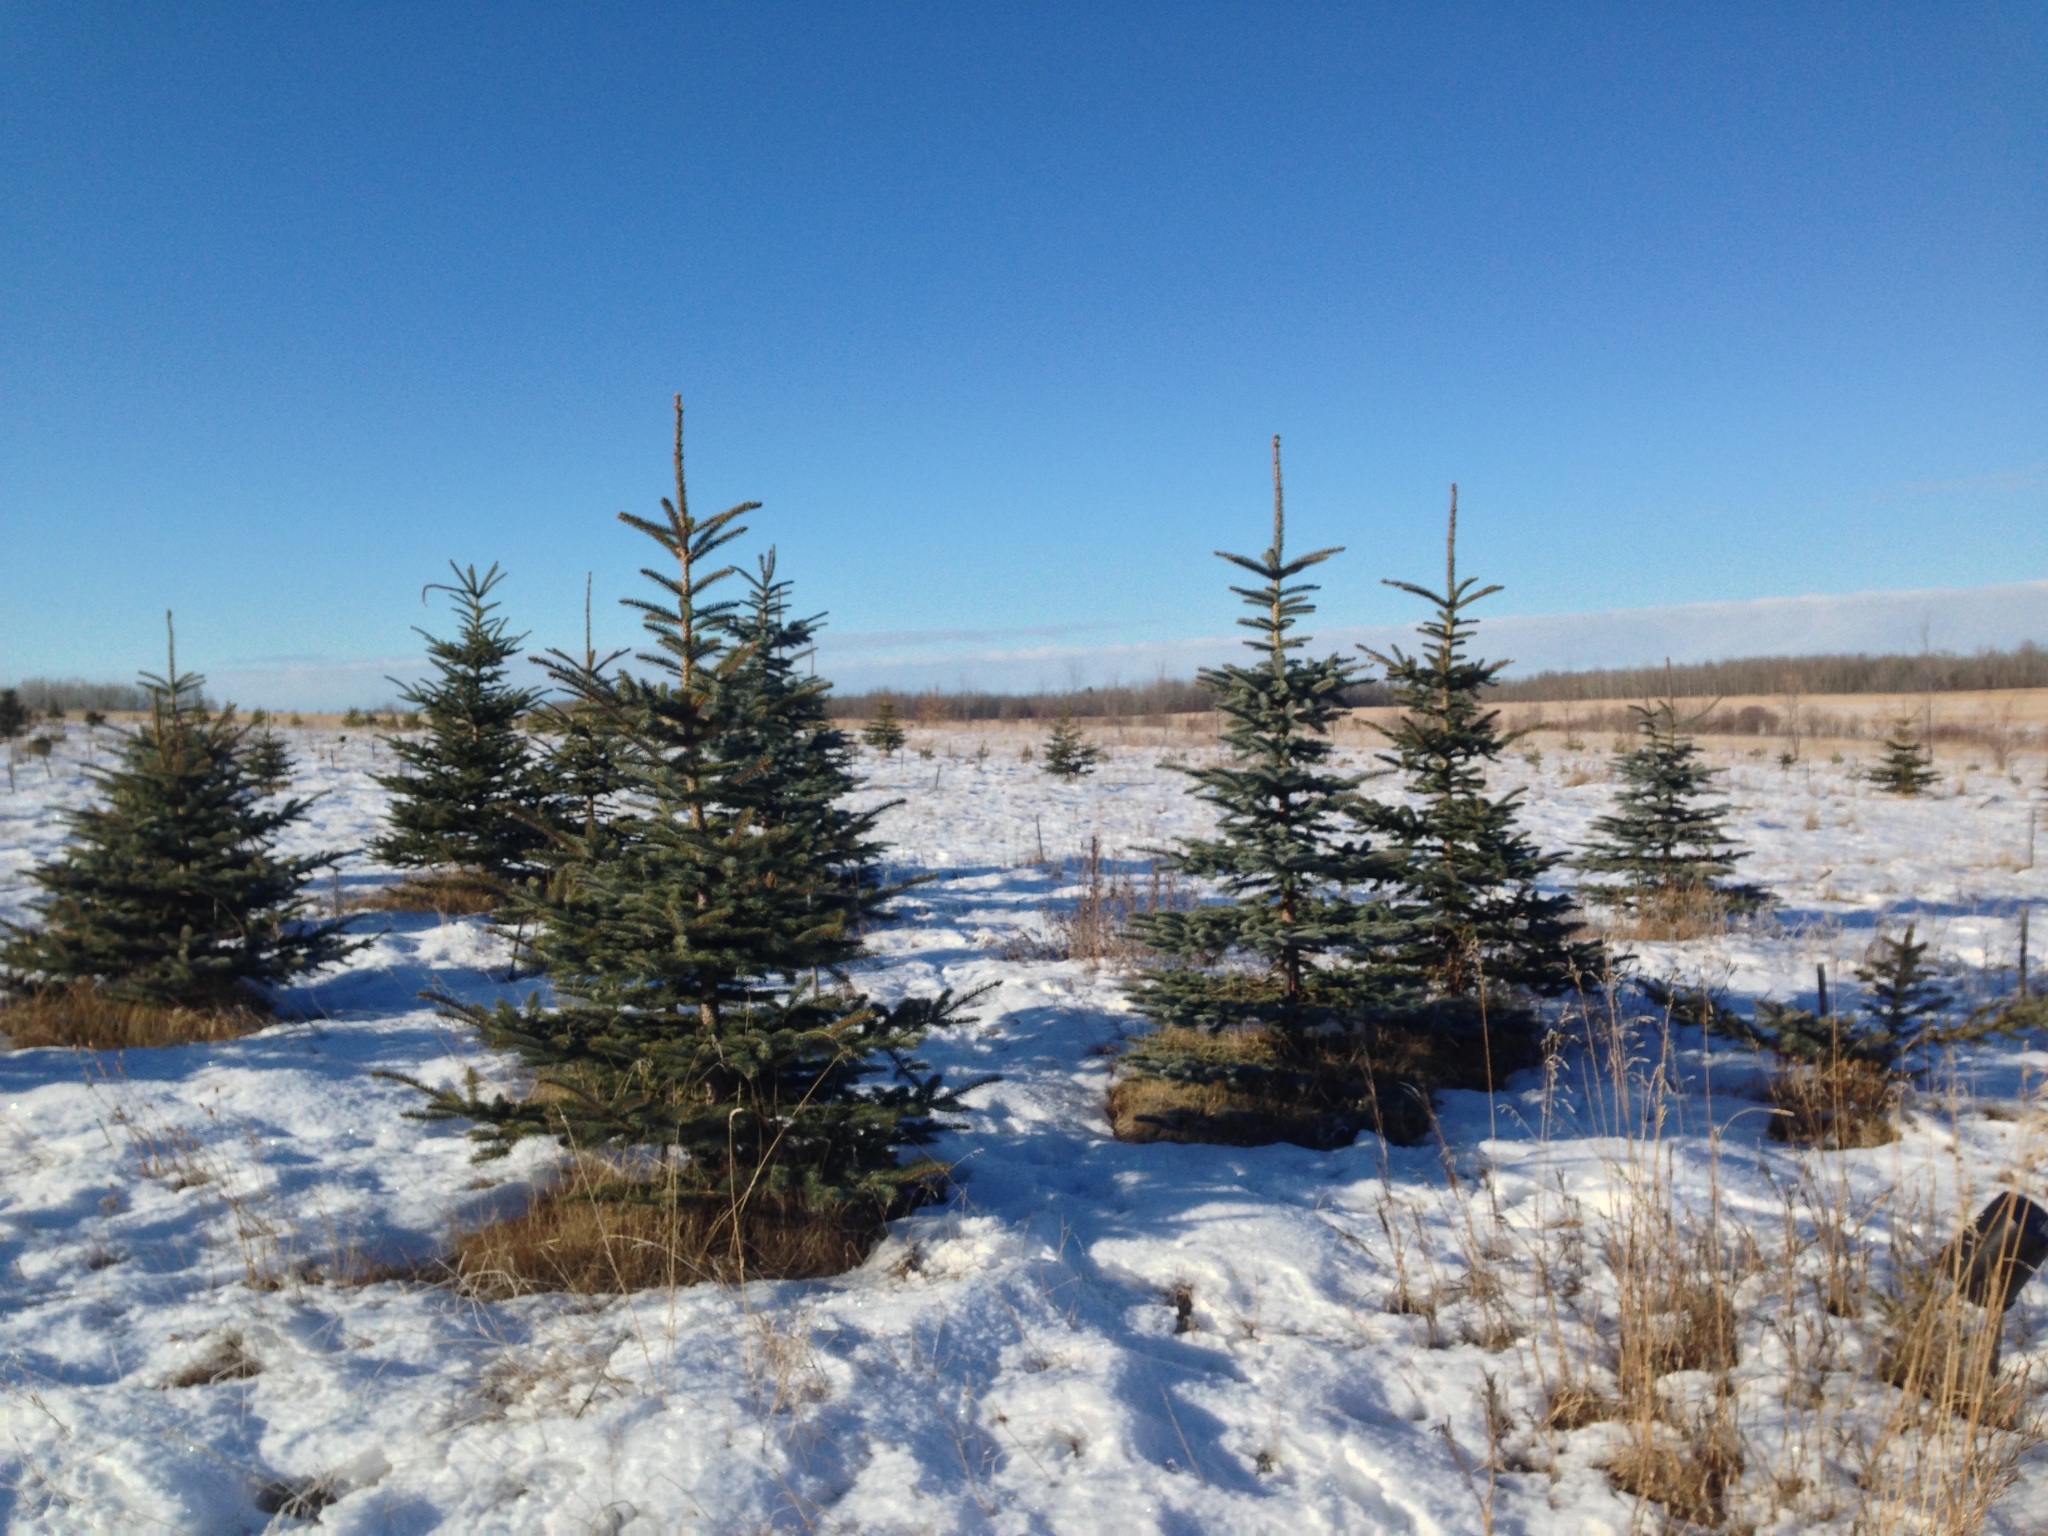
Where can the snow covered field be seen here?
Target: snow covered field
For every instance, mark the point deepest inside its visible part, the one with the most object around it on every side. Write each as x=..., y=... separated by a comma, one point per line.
x=1091, y=1337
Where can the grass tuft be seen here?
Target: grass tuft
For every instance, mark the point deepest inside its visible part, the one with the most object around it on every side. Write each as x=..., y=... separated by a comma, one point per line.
x=458, y=894
x=602, y=1234
x=83, y=1017
x=1835, y=1106
x=1249, y=1088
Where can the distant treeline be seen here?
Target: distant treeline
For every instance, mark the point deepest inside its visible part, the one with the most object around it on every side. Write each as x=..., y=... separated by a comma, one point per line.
x=2026, y=667
x=42, y=694
x=1167, y=696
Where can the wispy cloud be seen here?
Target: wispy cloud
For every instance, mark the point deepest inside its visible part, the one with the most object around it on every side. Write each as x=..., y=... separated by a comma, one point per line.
x=2002, y=481
x=1046, y=656
x=1958, y=619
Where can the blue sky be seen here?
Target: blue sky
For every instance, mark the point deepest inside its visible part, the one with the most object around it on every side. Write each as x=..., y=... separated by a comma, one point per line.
x=996, y=307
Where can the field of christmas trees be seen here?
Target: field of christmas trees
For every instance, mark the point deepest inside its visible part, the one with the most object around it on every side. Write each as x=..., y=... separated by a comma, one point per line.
x=626, y=1103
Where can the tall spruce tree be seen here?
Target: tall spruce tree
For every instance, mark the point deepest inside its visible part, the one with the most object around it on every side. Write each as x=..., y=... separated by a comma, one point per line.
x=1907, y=767
x=1464, y=876
x=171, y=889
x=1666, y=840
x=468, y=795
x=682, y=944
x=1282, y=853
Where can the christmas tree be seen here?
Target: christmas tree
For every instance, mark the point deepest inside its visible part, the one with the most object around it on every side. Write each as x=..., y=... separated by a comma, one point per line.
x=1068, y=754
x=884, y=733
x=1666, y=840
x=582, y=769
x=467, y=797
x=1259, y=1014
x=171, y=890
x=694, y=948
x=1907, y=767
x=269, y=760
x=1465, y=878
x=792, y=768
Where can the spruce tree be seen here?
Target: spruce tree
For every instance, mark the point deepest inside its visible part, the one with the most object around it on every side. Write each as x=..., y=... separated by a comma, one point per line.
x=1906, y=1010
x=1464, y=876
x=582, y=769
x=1665, y=839
x=885, y=732
x=1907, y=767
x=269, y=761
x=792, y=768
x=467, y=795
x=1069, y=754
x=1281, y=854
x=693, y=947
x=171, y=890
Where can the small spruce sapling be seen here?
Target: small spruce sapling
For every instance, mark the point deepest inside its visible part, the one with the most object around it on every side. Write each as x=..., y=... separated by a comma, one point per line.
x=1906, y=1011
x=1069, y=754
x=270, y=762
x=885, y=732
x=171, y=889
x=1907, y=767
x=1665, y=840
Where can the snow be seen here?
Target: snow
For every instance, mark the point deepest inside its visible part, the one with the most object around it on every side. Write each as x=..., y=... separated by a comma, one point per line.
x=1014, y=1361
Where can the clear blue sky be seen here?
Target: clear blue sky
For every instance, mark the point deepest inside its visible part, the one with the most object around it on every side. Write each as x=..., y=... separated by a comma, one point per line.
x=995, y=306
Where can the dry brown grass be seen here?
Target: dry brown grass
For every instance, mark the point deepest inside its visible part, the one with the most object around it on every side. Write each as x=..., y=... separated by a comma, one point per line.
x=1096, y=929
x=600, y=1235
x=1318, y=1093
x=1687, y=912
x=225, y=1359
x=1835, y=1105
x=459, y=894
x=1688, y=1468
x=85, y=1018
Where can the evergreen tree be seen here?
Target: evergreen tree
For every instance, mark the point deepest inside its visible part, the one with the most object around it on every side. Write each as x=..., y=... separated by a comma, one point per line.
x=171, y=889
x=269, y=762
x=885, y=732
x=468, y=795
x=1465, y=878
x=1280, y=854
x=1906, y=1010
x=1665, y=839
x=1907, y=767
x=792, y=768
x=687, y=943
x=583, y=768
x=1068, y=754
